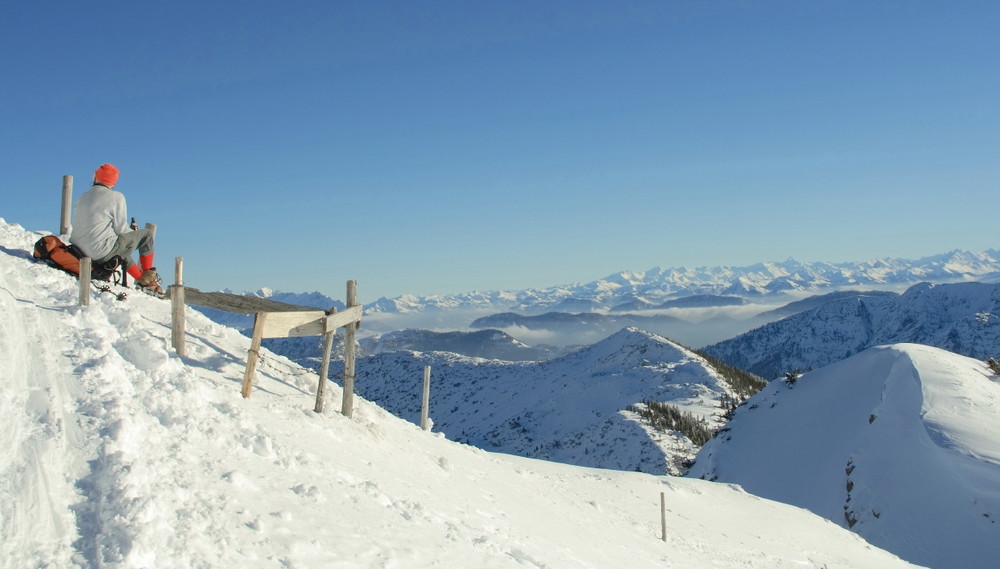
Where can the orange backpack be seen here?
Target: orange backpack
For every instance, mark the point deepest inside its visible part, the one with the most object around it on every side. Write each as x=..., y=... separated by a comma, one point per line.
x=67, y=257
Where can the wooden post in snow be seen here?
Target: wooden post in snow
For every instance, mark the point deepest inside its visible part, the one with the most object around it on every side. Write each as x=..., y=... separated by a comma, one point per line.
x=67, y=205
x=324, y=368
x=347, y=408
x=663, y=516
x=258, y=334
x=85, y=281
x=177, y=327
x=425, y=422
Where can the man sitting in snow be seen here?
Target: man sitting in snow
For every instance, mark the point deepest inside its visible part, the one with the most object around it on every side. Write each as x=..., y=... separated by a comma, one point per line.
x=101, y=230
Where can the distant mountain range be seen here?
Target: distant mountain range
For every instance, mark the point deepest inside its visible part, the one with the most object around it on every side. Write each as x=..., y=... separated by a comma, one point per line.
x=633, y=299
x=963, y=318
x=651, y=289
x=685, y=288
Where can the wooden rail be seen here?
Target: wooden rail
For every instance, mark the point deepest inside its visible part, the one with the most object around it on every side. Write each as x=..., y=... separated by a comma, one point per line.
x=274, y=319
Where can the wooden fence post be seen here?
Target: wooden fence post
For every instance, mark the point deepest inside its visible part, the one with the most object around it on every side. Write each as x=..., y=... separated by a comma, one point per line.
x=425, y=422
x=324, y=370
x=177, y=325
x=258, y=335
x=350, y=330
x=663, y=516
x=67, y=205
x=85, y=281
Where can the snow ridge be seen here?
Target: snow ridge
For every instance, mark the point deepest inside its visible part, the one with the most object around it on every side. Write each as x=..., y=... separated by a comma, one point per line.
x=897, y=443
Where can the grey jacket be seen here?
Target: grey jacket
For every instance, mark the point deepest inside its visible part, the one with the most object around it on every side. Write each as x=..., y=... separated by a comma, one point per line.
x=99, y=217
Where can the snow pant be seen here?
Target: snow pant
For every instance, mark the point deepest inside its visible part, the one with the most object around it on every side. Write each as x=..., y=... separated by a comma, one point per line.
x=140, y=239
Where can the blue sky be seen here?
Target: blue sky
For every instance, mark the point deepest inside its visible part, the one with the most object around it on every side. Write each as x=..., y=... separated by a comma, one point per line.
x=439, y=147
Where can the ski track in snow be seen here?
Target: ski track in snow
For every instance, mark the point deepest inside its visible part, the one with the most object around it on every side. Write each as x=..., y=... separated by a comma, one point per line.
x=44, y=432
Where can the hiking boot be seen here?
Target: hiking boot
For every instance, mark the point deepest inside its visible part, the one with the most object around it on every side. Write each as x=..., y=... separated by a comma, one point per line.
x=150, y=281
x=149, y=276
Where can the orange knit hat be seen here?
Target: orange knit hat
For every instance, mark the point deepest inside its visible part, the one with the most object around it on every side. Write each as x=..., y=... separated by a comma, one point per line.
x=106, y=174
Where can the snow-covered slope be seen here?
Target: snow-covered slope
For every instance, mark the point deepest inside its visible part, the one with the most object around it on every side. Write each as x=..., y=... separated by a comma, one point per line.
x=571, y=409
x=120, y=454
x=816, y=301
x=962, y=318
x=901, y=443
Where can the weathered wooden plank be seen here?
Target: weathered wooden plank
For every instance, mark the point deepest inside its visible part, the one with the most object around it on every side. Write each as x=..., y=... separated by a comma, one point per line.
x=294, y=324
x=339, y=319
x=239, y=304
